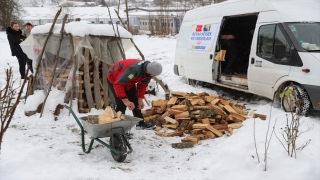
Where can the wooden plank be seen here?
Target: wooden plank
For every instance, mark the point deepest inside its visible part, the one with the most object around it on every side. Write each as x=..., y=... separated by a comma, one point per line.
x=96, y=82
x=172, y=101
x=199, y=126
x=105, y=83
x=215, y=131
x=235, y=125
x=87, y=80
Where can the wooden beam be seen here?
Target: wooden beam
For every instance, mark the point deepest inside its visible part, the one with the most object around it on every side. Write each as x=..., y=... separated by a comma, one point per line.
x=87, y=79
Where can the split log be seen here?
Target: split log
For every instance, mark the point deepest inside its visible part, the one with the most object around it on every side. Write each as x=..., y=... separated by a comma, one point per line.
x=183, y=125
x=192, y=139
x=172, y=101
x=229, y=131
x=238, y=110
x=210, y=135
x=160, y=109
x=218, y=111
x=210, y=98
x=148, y=112
x=182, y=115
x=158, y=102
x=174, y=111
x=235, y=125
x=229, y=108
x=164, y=134
x=215, y=101
x=167, y=113
x=261, y=116
x=238, y=116
x=170, y=120
x=93, y=119
x=171, y=126
x=179, y=107
x=196, y=131
x=220, y=126
x=178, y=93
x=182, y=145
x=199, y=126
x=215, y=131
x=224, y=102
x=189, y=126
x=200, y=107
x=149, y=118
x=205, y=121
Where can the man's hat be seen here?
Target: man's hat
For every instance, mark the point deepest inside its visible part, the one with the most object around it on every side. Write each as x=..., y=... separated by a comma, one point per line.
x=154, y=68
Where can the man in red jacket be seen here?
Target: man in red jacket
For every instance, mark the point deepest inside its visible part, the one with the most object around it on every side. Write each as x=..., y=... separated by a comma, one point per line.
x=128, y=80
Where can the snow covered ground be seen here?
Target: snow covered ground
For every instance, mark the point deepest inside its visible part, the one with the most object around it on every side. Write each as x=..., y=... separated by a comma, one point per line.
x=40, y=148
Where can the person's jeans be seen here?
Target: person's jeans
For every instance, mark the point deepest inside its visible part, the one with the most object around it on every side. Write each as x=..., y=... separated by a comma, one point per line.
x=23, y=60
x=231, y=54
x=132, y=96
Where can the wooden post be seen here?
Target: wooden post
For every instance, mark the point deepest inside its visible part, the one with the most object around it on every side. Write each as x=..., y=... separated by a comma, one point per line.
x=56, y=62
x=96, y=80
x=74, y=70
x=87, y=79
x=44, y=47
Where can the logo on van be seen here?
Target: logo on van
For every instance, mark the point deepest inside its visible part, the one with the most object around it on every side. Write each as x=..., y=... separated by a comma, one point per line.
x=207, y=27
x=199, y=28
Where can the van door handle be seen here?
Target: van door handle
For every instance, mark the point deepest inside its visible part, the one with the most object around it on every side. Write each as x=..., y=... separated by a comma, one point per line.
x=211, y=56
x=252, y=60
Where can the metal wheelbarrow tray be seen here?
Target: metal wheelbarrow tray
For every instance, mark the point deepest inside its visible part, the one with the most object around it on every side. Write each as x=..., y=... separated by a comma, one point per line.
x=116, y=131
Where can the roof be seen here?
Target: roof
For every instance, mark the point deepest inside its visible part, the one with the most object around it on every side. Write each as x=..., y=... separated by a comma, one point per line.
x=290, y=10
x=36, y=13
x=82, y=29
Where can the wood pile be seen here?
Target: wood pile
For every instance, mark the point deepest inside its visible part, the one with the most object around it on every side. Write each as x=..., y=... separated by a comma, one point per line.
x=200, y=116
x=109, y=116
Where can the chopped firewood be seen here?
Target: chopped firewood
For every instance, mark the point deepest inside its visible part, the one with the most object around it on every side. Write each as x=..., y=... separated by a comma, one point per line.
x=218, y=111
x=189, y=126
x=207, y=113
x=160, y=109
x=104, y=119
x=171, y=126
x=158, y=128
x=200, y=136
x=223, y=121
x=251, y=113
x=183, y=125
x=174, y=111
x=196, y=131
x=235, y=125
x=238, y=116
x=229, y=108
x=172, y=101
x=167, y=113
x=182, y=115
x=224, y=102
x=195, y=112
x=192, y=139
x=205, y=121
x=218, y=117
x=93, y=119
x=148, y=112
x=200, y=107
x=242, y=106
x=210, y=135
x=220, y=126
x=212, y=121
x=170, y=120
x=201, y=102
x=182, y=145
x=229, y=131
x=178, y=93
x=194, y=101
x=215, y=131
x=188, y=107
x=199, y=126
x=215, y=101
x=223, y=131
x=220, y=105
x=210, y=98
x=109, y=111
x=179, y=107
x=238, y=110
x=261, y=116
x=202, y=94
x=119, y=113
x=176, y=133
x=149, y=118
x=158, y=102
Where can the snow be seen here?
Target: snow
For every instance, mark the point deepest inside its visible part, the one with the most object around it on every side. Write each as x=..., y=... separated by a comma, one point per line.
x=82, y=29
x=41, y=148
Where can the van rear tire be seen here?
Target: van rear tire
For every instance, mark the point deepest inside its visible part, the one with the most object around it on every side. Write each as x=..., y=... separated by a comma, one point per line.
x=288, y=102
x=192, y=82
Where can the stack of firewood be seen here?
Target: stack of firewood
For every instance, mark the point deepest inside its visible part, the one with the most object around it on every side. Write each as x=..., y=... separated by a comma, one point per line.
x=200, y=115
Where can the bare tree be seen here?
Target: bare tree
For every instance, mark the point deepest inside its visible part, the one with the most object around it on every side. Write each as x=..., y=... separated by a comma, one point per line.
x=9, y=11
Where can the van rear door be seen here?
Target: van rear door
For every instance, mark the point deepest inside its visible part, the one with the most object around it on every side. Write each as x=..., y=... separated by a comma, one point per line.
x=269, y=58
x=199, y=47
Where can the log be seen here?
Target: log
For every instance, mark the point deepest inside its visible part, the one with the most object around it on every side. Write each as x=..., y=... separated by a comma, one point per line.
x=182, y=145
x=200, y=107
x=235, y=125
x=149, y=118
x=212, y=121
x=158, y=102
x=238, y=116
x=205, y=121
x=179, y=107
x=171, y=126
x=170, y=120
x=196, y=131
x=189, y=126
x=215, y=131
x=210, y=134
x=229, y=131
x=160, y=109
x=238, y=110
x=201, y=136
x=215, y=101
x=182, y=115
x=192, y=139
x=183, y=125
x=210, y=98
x=229, y=109
x=172, y=101
x=261, y=116
x=199, y=126
x=220, y=126
x=167, y=113
x=224, y=102
x=218, y=111
x=148, y=112
x=178, y=93
x=174, y=111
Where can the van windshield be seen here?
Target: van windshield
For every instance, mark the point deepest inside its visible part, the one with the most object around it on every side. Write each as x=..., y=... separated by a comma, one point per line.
x=307, y=34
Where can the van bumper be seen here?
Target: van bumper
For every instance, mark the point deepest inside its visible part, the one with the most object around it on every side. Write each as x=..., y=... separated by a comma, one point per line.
x=176, y=70
x=314, y=94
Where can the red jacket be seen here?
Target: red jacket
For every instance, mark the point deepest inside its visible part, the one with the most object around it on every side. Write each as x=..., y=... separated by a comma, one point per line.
x=126, y=73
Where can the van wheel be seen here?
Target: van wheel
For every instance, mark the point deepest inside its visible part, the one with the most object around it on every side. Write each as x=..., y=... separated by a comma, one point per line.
x=290, y=102
x=192, y=82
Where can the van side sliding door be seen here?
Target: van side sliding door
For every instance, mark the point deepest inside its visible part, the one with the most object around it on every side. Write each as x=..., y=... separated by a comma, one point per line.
x=269, y=58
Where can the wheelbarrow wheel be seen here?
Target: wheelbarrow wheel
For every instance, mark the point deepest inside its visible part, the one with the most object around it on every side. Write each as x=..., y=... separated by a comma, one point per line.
x=118, y=143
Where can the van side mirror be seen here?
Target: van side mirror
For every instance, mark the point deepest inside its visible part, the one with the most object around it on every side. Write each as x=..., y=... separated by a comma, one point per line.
x=279, y=51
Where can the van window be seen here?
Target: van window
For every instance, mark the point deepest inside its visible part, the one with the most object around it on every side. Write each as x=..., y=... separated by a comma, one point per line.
x=265, y=39
x=281, y=42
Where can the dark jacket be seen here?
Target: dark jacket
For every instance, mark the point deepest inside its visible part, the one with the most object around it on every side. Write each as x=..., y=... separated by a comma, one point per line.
x=126, y=73
x=15, y=38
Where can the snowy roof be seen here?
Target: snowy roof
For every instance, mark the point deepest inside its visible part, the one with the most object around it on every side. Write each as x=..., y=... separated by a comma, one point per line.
x=36, y=13
x=83, y=29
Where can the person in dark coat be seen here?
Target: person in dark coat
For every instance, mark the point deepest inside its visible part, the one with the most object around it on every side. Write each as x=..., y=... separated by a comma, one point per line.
x=15, y=38
x=128, y=80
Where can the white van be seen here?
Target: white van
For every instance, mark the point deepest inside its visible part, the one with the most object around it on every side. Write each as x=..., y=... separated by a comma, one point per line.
x=282, y=51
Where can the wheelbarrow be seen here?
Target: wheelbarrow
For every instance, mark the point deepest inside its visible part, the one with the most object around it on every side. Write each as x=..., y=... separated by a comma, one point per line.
x=118, y=144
